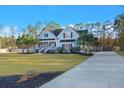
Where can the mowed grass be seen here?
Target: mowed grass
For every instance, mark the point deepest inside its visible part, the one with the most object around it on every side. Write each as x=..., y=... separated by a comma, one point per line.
x=14, y=64
x=121, y=53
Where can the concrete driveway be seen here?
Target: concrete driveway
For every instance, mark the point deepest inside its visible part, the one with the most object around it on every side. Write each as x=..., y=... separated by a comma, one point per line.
x=103, y=70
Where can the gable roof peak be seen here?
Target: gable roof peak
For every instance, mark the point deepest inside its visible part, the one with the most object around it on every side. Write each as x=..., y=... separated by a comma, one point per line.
x=56, y=32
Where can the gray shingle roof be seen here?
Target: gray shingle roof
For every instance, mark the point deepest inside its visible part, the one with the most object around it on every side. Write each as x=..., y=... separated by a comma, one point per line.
x=56, y=32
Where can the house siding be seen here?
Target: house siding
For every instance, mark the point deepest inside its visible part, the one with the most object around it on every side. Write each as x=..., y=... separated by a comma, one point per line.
x=66, y=37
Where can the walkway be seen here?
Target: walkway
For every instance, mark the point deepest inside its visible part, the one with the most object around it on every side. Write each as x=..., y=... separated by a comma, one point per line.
x=103, y=70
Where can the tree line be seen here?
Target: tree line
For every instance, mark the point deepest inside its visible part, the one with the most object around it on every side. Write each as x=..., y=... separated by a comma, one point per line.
x=108, y=35
x=27, y=37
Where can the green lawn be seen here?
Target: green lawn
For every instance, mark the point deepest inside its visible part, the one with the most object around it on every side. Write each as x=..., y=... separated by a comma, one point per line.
x=11, y=64
x=121, y=53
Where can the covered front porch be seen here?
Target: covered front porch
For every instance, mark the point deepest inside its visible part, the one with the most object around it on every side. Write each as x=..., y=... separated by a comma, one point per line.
x=50, y=45
x=47, y=43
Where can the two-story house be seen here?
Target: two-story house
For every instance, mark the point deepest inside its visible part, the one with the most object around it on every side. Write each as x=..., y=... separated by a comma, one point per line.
x=66, y=38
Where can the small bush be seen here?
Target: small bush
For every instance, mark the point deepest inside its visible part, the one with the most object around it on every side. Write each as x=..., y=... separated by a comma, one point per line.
x=51, y=52
x=75, y=49
x=59, y=50
x=87, y=54
x=28, y=75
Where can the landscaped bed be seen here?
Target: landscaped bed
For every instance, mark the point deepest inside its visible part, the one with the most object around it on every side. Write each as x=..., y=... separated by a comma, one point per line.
x=11, y=81
x=14, y=66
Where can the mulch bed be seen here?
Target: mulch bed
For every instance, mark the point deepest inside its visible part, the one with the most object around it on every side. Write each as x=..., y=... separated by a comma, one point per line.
x=42, y=78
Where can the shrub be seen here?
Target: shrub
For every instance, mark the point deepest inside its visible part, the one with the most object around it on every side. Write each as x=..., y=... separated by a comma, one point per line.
x=87, y=54
x=75, y=49
x=51, y=52
x=59, y=50
x=30, y=74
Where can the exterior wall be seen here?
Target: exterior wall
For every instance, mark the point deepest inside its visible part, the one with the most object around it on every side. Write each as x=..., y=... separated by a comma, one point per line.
x=58, y=43
x=50, y=35
x=67, y=30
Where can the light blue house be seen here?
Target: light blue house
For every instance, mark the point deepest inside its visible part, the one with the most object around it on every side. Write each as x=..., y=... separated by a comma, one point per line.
x=66, y=38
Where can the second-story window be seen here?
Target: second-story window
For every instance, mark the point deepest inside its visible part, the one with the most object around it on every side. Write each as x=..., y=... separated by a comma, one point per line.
x=63, y=35
x=71, y=35
x=45, y=35
x=68, y=35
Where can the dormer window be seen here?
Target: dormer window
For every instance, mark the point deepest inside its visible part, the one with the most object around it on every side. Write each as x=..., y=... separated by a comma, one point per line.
x=45, y=35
